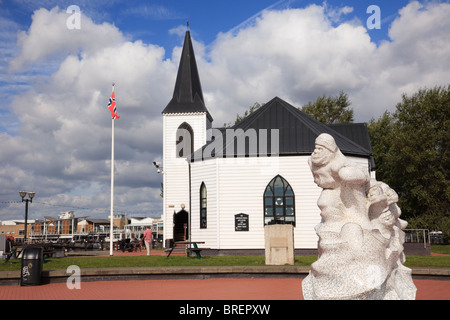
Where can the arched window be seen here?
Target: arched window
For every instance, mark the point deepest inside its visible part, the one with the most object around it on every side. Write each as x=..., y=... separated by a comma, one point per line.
x=203, y=206
x=279, y=202
x=185, y=140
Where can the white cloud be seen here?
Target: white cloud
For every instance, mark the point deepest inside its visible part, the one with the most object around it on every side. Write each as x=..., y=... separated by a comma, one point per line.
x=335, y=13
x=296, y=54
x=300, y=54
x=61, y=147
x=48, y=36
x=64, y=137
x=155, y=12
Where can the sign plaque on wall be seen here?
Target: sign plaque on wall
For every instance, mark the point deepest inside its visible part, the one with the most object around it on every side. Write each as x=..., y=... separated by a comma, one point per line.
x=241, y=222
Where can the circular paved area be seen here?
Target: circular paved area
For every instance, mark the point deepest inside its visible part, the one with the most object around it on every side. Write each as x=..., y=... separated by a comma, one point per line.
x=209, y=289
x=191, y=289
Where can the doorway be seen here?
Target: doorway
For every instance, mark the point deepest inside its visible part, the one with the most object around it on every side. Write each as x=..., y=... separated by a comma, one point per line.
x=181, y=226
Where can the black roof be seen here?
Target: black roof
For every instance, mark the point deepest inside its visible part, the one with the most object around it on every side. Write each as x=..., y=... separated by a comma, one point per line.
x=187, y=95
x=356, y=132
x=297, y=131
x=98, y=221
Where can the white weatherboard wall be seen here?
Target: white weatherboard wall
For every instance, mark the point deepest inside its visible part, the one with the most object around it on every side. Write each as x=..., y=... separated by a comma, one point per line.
x=176, y=170
x=237, y=185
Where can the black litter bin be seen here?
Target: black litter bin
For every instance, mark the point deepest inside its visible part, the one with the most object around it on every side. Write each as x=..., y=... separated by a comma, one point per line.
x=32, y=260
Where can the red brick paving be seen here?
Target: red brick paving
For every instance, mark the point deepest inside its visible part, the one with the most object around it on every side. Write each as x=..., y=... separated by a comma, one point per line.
x=189, y=289
x=209, y=289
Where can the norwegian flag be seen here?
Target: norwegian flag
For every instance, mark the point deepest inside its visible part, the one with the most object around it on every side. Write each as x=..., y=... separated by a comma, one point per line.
x=112, y=106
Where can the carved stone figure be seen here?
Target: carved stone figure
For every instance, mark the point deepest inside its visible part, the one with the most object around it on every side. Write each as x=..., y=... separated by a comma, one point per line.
x=360, y=233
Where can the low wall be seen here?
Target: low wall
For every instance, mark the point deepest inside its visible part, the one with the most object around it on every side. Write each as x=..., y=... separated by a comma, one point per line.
x=417, y=248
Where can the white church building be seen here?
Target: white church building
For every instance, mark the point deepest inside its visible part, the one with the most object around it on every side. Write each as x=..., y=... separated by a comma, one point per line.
x=222, y=186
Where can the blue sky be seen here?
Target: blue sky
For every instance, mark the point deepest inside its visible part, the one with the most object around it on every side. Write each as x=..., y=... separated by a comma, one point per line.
x=151, y=21
x=55, y=81
x=163, y=22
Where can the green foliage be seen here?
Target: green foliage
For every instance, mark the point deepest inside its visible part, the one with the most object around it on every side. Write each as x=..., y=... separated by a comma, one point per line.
x=441, y=248
x=163, y=261
x=427, y=261
x=413, y=157
x=248, y=112
x=325, y=109
x=330, y=110
x=380, y=133
x=153, y=261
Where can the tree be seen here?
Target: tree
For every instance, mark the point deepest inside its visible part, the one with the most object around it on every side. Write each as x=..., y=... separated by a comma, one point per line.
x=380, y=133
x=330, y=109
x=252, y=109
x=327, y=110
x=414, y=156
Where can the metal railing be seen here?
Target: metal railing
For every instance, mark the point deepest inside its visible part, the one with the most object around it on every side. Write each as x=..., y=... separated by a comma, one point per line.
x=417, y=236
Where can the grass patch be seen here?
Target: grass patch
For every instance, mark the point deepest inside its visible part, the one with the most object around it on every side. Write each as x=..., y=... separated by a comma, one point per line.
x=440, y=248
x=163, y=261
x=153, y=261
x=150, y=261
x=427, y=261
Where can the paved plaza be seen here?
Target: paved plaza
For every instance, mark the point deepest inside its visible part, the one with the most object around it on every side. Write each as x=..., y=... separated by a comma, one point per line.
x=192, y=289
x=261, y=288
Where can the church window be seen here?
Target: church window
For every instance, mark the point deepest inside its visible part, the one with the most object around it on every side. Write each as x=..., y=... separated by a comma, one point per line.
x=185, y=140
x=203, y=206
x=279, y=202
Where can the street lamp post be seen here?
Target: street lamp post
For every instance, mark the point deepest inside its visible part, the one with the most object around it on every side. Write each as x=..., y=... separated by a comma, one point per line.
x=23, y=194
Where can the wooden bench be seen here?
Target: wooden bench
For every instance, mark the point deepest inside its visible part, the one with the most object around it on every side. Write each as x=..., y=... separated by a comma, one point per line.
x=177, y=249
x=197, y=251
x=8, y=255
x=183, y=246
x=47, y=254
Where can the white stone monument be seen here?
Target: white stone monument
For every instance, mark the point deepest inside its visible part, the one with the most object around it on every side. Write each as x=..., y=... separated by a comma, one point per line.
x=360, y=234
x=279, y=242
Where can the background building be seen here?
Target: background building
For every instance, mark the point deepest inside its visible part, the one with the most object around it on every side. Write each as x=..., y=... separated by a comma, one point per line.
x=223, y=186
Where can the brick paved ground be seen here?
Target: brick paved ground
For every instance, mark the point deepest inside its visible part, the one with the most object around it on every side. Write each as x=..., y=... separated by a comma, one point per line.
x=210, y=289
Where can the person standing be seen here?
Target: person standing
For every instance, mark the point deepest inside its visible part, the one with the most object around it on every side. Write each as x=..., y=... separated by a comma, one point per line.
x=148, y=239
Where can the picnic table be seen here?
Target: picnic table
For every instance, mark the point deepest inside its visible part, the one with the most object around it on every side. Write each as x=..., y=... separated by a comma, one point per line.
x=12, y=254
x=47, y=252
x=194, y=247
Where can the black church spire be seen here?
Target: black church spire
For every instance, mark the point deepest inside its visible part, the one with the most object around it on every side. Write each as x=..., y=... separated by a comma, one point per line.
x=187, y=95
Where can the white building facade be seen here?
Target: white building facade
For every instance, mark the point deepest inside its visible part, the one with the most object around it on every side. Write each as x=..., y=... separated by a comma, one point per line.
x=223, y=186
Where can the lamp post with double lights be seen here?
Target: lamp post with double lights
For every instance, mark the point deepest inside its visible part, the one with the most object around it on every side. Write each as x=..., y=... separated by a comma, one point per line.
x=159, y=169
x=23, y=194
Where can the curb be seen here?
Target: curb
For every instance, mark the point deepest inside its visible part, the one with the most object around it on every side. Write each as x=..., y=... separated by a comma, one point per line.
x=167, y=273
x=426, y=271
x=206, y=272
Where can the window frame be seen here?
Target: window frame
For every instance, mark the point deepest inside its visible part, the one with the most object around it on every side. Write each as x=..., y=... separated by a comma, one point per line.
x=281, y=202
x=203, y=206
x=181, y=151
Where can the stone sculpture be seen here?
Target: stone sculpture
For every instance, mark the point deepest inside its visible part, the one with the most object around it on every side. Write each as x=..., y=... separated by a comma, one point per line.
x=360, y=234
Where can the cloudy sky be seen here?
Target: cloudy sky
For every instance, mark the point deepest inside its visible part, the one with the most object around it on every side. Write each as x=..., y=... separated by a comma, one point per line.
x=57, y=66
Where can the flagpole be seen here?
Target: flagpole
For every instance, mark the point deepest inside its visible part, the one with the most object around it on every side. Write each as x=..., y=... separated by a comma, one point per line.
x=111, y=227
